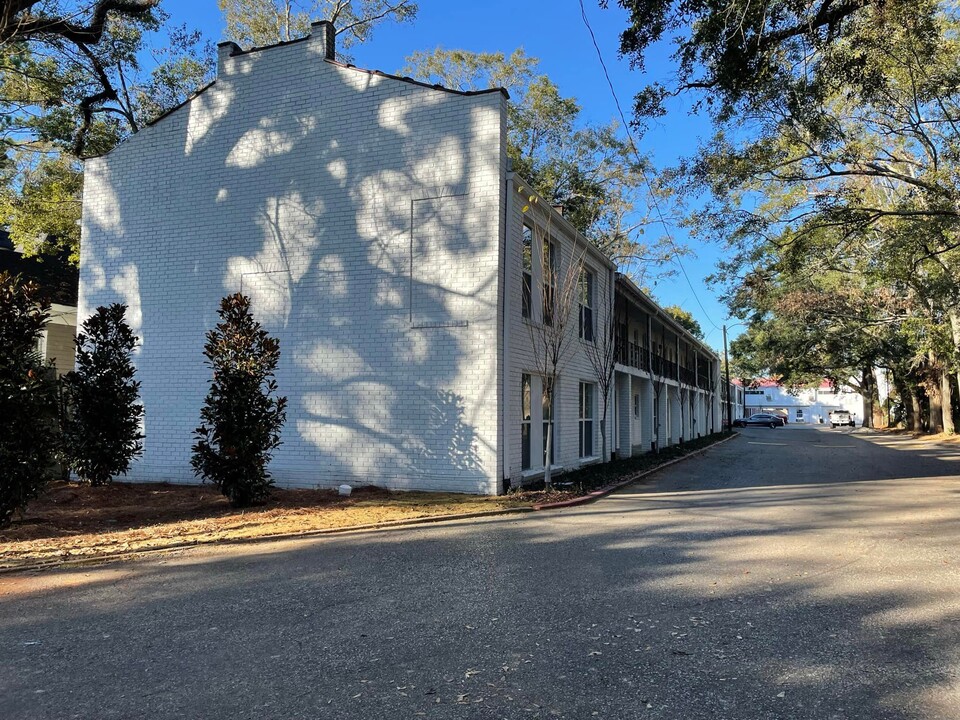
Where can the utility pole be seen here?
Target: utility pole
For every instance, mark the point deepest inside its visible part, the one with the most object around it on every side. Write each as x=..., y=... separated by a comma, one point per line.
x=726, y=362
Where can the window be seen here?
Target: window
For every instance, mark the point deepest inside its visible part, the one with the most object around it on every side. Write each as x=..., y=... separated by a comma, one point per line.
x=636, y=406
x=586, y=305
x=799, y=413
x=550, y=271
x=656, y=418
x=586, y=419
x=525, y=422
x=548, y=425
x=527, y=274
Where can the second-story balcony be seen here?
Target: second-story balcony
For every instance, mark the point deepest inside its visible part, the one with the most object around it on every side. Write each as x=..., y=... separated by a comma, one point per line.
x=665, y=368
x=633, y=355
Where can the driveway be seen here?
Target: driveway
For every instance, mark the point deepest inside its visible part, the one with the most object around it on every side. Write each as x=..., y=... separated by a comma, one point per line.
x=790, y=573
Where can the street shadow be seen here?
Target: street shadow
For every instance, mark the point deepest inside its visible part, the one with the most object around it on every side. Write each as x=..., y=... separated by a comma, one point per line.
x=641, y=612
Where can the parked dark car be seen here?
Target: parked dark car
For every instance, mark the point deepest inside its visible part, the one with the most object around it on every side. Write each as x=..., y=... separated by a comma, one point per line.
x=760, y=420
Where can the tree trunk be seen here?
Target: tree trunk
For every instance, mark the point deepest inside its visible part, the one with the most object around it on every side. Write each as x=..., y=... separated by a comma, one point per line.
x=548, y=459
x=954, y=315
x=683, y=415
x=903, y=393
x=656, y=425
x=933, y=394
x=869, y=389
x=603, y=434
x=916, y=414
x=946, y=402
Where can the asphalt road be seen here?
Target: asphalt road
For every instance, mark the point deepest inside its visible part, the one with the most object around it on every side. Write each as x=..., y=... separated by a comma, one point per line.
x=790, y=573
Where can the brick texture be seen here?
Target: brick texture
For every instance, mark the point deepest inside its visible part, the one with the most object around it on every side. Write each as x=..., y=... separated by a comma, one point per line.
x=364, y=216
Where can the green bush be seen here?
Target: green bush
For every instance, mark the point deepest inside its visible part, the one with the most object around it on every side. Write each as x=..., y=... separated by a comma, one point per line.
x=241, y=418
x=28, y=398
x=102, y=426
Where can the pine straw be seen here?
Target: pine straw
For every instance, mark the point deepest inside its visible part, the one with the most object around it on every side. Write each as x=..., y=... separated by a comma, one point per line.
x=74, y=521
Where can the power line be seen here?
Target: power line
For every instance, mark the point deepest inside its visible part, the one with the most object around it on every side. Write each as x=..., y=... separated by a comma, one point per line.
x=640, y=164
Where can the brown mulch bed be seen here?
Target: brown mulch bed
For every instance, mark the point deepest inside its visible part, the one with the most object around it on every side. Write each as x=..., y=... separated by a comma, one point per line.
x=72, y=521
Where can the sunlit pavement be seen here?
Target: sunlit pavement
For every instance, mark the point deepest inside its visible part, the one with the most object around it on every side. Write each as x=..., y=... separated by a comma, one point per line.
x=800, y=572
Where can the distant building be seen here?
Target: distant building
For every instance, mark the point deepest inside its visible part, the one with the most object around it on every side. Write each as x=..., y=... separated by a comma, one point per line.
x=58, y=280
x=736, y=394
x=807, y=405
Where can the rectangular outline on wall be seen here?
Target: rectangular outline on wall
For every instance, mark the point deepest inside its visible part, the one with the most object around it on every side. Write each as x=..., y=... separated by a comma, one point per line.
x=439, y=324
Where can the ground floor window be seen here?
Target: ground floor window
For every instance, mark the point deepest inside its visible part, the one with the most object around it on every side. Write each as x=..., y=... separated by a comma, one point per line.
x=548, y=402
x=656, y=418
x=525, y=422
x=636, y=405
x=586, y=419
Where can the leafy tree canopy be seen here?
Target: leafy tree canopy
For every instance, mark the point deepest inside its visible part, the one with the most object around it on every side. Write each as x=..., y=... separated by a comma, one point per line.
x=591, y=171
x=831, y=176
x=266, y=22
x=75, y=79
x=740, y=50
x=686, y=319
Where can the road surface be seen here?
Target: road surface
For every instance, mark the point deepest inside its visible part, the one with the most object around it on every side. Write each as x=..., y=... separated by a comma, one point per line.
x=790, y=573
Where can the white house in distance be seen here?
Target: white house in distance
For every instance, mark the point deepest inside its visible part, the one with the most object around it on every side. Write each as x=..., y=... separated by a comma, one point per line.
x=805, y=405
x=376, y=226
x=57, y=279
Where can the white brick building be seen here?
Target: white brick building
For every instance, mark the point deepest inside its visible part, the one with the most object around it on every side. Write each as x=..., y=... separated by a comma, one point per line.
x=375, y=225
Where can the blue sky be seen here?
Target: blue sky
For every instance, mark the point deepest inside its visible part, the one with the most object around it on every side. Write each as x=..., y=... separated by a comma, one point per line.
x=553, y=31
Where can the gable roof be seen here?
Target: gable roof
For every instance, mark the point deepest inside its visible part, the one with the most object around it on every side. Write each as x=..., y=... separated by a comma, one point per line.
x=348, y=66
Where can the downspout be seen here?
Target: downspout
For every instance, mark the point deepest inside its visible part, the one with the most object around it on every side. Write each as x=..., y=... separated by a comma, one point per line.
x=505, y=330
x=612, y=389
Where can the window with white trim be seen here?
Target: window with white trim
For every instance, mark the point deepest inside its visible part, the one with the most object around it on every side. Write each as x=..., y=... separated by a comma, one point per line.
x=587, y=399
x=551, y=269
x=586, y=305
x=526, y=299
x=525, y=418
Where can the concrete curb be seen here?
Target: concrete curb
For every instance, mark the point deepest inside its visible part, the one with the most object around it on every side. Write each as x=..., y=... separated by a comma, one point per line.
x=359, y=529
x=607, y=489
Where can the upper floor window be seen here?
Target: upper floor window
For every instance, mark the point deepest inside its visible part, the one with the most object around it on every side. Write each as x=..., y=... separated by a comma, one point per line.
x=586, y=305
x=527, y=272
x=551, y=269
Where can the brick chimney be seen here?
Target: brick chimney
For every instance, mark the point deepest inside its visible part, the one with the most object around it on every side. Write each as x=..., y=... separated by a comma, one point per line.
x=323, y=38
x=225, y=51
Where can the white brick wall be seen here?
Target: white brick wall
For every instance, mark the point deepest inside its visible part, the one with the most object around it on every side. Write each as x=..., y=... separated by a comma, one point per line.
x=364, y=216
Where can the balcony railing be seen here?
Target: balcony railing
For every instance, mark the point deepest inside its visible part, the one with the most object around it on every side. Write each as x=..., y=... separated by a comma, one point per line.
x=637, y=356
x=633, y=355
x=664, y=368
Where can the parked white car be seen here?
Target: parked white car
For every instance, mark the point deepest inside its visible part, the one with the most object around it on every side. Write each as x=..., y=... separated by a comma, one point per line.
x=841, y=417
